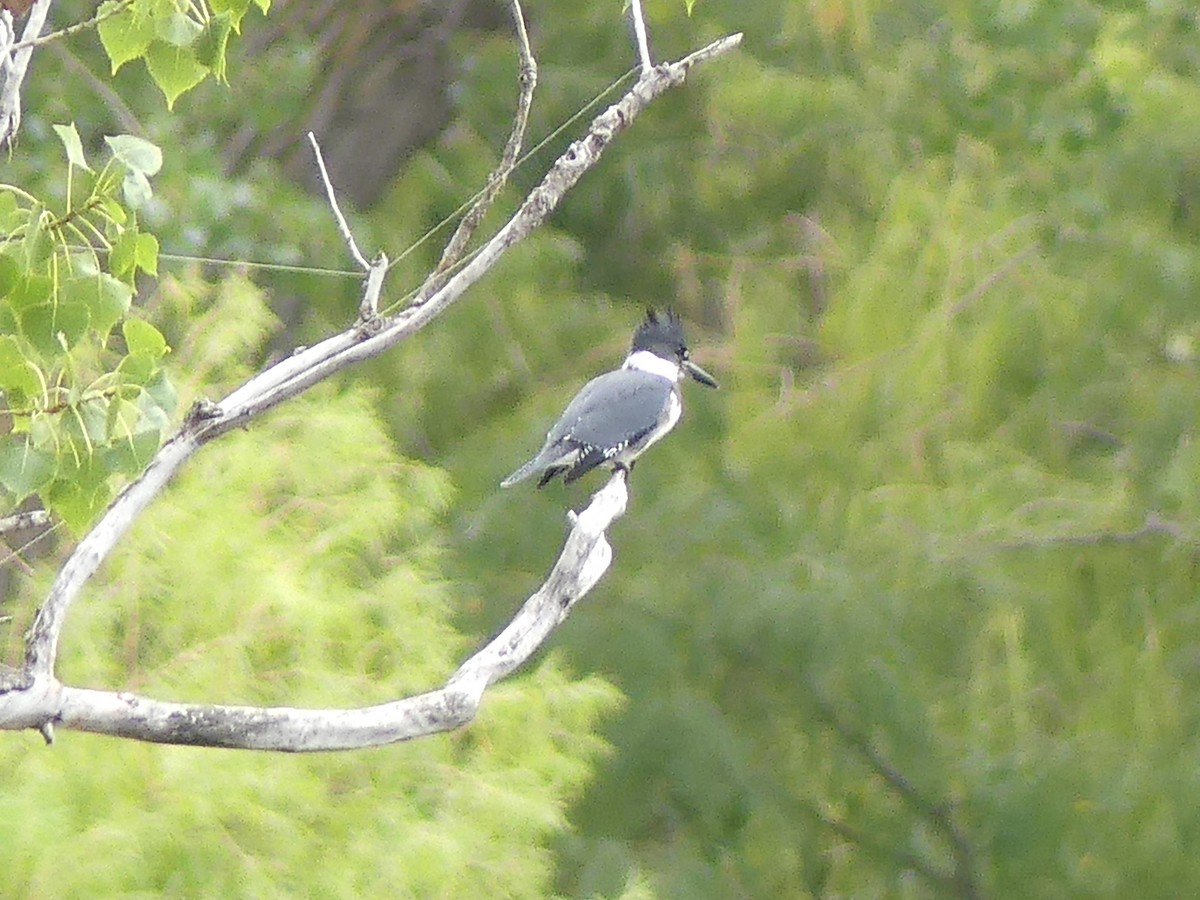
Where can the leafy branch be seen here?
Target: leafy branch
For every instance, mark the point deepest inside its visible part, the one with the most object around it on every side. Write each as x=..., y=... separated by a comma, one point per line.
x=88, y=400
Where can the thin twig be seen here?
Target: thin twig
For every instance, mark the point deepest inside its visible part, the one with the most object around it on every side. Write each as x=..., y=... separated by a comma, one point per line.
x=529, y=154
x=990, y=280
x=337, y=210
x=905, y=859
x=296, y=374
x=936, y=814
x=95, y=20
x=527, y=77
x=639, y=30
x=1153, y=525
x=368, y=309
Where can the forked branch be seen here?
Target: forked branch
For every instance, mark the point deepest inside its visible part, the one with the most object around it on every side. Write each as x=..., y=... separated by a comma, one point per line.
x=527, y=78
x=34, y=698
x=585, y=557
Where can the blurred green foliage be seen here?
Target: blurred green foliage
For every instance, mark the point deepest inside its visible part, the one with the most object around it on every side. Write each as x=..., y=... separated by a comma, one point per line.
x=906, y=609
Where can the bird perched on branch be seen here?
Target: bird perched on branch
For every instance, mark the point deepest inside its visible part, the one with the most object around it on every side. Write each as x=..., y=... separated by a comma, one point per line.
x=618, y=415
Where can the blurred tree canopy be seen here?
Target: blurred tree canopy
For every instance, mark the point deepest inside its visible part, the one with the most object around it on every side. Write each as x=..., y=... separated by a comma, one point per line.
x=906, y=609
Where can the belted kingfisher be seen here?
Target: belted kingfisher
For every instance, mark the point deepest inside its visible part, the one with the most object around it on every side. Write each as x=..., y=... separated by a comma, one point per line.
x=618, y=415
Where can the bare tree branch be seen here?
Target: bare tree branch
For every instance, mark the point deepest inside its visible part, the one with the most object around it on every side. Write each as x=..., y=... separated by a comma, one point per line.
x=639, y=31
x=368, y=308
x=14, y=63
x=584, y=559
x=527, y=78
x=40, y=700
x=37, y=518
x=347, y=235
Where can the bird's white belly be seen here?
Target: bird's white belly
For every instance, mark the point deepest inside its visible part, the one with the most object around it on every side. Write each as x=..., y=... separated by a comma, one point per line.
x=670, y=418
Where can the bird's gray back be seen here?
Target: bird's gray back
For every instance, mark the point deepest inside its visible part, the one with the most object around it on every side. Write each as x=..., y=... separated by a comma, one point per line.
x=629, y=399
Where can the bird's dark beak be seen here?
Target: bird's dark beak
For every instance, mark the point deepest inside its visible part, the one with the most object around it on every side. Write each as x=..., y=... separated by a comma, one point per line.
x=699, y=374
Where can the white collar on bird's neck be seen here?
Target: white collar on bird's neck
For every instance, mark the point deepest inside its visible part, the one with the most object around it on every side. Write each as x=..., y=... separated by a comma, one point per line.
x=645, y=361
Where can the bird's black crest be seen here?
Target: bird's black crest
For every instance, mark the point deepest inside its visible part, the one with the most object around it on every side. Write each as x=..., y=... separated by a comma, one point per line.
x=661, y=333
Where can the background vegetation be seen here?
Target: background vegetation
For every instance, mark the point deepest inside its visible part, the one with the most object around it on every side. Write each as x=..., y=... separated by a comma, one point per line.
x=907, y=609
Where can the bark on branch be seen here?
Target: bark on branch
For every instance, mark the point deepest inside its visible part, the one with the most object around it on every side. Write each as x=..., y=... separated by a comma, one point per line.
x=585, y=557
x=32, y=696
x=14, y=63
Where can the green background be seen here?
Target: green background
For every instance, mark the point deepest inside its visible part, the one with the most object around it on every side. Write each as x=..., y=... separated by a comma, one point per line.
x=907, y=608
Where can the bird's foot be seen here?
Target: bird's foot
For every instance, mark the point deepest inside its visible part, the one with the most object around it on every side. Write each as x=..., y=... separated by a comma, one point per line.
x=625, y=469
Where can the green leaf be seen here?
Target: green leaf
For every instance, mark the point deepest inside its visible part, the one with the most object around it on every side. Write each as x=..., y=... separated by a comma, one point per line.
x=147, y=254
x=138, y=154
x=132, y=251
x=123, y=418
x=80, y=495
x=142, y=338
x=38, y=245
x=11, y=213
x=138, y=368
x=106, y=298
x=236, y=7
x=18, y=378
x=122, y=259
x=73, y=145
x=211, y=48
x=30, y=291
x=125, y=36
x=111, y=301
x=24, y=469
x=10, y=274
x=43, y=432
x=113, y=210
x=174, y=69
x=114, y=299
x=130, y=456
x=53, y=328
x=154, y=417
x=92, y=416
x=161, y=392
x=84, y=262
x=136, y=190
x=177, y=29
